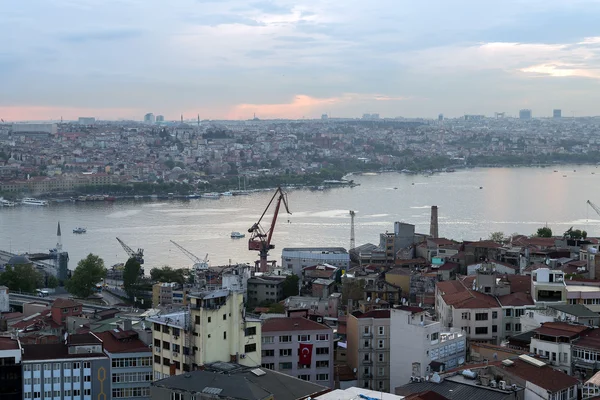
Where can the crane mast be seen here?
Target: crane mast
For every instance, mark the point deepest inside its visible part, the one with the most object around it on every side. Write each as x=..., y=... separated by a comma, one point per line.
x=260, y=240
x=138, y=255
x=595, y=207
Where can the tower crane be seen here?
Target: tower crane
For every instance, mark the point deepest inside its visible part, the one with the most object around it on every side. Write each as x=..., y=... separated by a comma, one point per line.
x=260, y=239
x=199, y=264
x=138, y=255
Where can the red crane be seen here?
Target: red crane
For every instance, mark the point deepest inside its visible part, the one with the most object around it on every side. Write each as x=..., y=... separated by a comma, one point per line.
x=260, y=239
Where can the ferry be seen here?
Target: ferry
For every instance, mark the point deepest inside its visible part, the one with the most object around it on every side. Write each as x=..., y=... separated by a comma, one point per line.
x=6, y=203
x=79, y=230
x=226, y=194
x=211, y=195
x=30, y=201
x=237, y=235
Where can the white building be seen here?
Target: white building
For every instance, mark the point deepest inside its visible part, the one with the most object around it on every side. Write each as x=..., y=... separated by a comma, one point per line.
x=420, y=346
x=4, y=300
x=301, y=257
x=548, y=286
x=149, y=118
x=27, y=128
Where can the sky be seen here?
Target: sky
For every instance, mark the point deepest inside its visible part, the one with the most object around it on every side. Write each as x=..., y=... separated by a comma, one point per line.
x=231, y=59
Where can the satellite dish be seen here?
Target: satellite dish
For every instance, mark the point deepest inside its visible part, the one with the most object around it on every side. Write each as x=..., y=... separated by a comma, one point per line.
x=435, y=378
x=461, y=361
x=354, y=370
x=495, y=356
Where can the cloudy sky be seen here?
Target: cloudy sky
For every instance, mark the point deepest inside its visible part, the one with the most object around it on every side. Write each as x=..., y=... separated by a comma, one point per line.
x=298, y=58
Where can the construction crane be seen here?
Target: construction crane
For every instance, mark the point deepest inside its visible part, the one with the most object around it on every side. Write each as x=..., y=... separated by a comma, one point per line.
x=138, y=255
x=352, y=239
x=260, y=239
x=199, y=264
x=595, y=207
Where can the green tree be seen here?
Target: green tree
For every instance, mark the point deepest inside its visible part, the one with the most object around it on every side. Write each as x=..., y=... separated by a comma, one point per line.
x=89, y=272
x=497, y=237
x=131, y=276
x=290, y=285
x=544, y=232
x=52, y=282
x=575, y=234
x=352, y=289
x=276, y=308
x=168, y=274
x=23, y=277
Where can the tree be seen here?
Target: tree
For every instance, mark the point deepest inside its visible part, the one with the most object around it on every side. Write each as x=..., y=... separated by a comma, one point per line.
x=352, y=289
x=89, y=272
x=131, y=275
x=497, y=237
x=168, y=274
x=544, y=232
x=52, y=282
x=576, y=234
x=290, y=285
x=22, y=277
x=276, y=308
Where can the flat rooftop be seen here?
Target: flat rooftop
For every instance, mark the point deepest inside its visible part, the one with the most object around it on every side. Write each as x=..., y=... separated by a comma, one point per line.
x=322, y=250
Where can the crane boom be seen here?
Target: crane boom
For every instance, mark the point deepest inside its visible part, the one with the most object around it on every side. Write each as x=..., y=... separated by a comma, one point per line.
x=260, y=239
x=188, y=253
x=138, y=255
x=595, y=207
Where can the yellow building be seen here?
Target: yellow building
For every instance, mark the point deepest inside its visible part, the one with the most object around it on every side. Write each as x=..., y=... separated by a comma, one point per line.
x=215, y=328
x=166, y=294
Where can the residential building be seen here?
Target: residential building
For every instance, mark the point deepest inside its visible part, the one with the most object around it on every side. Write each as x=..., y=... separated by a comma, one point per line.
x=11, y=383
x=299, y=258
x=215, y=329
x=369, y=348
x=4, y=299
x=455, y=388
x=166, y=294
x=229, y=381
x=556, y=113
x=75, y=369
x=573, y=313
x=584, y=292
x=265, y=289
x=586, y=354
x=500, y=267
x=299, y=347
x=420, y=345
x=525, y=114
x=327, y=307
x=552, y=341
x=131, y=363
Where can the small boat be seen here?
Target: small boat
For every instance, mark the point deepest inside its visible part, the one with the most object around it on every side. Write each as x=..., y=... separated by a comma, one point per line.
x=395, y=188
x=480, y=187
x=211, y=195
x=30, y=201
x=226, y=194
x=6, y=203
x=79, y=230
x=237, y=235
x=110, y=198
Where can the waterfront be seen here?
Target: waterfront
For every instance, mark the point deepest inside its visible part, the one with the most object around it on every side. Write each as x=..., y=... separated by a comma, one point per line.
x=511, y=200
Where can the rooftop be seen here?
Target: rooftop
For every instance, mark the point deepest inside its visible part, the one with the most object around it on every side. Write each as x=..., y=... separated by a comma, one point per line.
x=177, y=320
x=232, y=381
x=64, y=303
x=8, y=344
x=560, y=329
x=377, y=314
x=55, y=351
x=454, y=390
x=82, y=339
x=330, y=250
x=545, y=377
x=119, y=341
x=353, y=393
x=292, y=324
x=577, y=310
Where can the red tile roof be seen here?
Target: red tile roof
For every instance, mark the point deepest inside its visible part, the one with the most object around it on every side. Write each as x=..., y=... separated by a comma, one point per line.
x=483, y=243
x=589, y=339
x=290, y=324
x=377, y=314
x=412, y=310
x=456, y=294
x=441, y=241
x=516, y=299
x=64, y=303
x=519, y=283
x=448, y=265
x=544, y=377
x=8, y=344
x=131, y=344
x=560, y=329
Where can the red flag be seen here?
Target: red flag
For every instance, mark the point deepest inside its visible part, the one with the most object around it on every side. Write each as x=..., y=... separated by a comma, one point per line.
x=305, y=356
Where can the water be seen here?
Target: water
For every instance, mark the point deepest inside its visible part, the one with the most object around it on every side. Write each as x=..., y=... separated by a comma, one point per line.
x=512, y=200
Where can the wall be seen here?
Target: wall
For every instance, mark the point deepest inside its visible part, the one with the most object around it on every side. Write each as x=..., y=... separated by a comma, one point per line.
x=4, y=300
x=561, y=350
x=139, y=369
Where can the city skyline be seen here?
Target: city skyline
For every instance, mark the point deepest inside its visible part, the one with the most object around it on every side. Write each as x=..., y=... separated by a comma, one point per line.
x=297, y=59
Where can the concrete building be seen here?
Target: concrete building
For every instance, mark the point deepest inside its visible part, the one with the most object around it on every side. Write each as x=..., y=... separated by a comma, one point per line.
x=160, y=118
x=4, y=299
x=166, y=294
x=75, y=369
x=299, y=347
x=131, y=363
x=149, y=118
x=11, y=387
x=556, y=113
x=420, y=345
x=32, y=128
x=553, y=341
x=525, y=114
x=86, y=120
x=299, y=258
x=548, y=286
x=230, y=381
x=327, y=307
x=265, y=289
x=216, y=329
x=369, y=348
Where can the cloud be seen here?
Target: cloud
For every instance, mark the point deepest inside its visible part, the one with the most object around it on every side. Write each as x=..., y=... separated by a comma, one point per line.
x=101, y=36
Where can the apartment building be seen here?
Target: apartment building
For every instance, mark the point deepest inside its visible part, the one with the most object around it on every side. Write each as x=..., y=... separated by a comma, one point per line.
x=265, y=289
x=586, y=354
x=11, y=387
x=299, y=347
x=369, y=348
x=553, y=340
x=548, y=286
x=77, y=369
x=165, y=294
x=586, y=293
x=298, y=258
x=131, y=363
x=215, y=329
x=420, y=345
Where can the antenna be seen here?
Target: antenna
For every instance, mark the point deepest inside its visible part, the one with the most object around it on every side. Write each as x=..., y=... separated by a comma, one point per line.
x=352, y=238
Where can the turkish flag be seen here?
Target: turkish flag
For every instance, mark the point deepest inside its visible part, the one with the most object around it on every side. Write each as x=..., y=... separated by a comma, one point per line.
x=305, y=355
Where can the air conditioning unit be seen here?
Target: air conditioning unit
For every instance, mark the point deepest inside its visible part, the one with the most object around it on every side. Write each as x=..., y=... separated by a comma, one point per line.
x=493, y=384
x=157, y=349
x=242, y=356
x=502, y=385
x=514, y=387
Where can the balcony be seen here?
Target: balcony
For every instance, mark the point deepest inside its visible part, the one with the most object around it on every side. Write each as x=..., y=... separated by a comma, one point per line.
x=368, y=335
x=367, y=376
x=366, y=349
x=367, y=362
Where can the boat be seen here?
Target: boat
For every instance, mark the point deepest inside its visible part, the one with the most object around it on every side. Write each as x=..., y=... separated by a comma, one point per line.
x=237, y=235
x=6, y=203
x=226, y=194
x=211, y=195
x=79, y=230
x=241, y=193
x=110, y=198
x=30, y=201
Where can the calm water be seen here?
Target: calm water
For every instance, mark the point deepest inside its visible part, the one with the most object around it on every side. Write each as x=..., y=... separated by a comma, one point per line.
x=512, y=200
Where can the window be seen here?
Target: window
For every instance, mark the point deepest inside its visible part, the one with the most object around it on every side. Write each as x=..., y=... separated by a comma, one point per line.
x=268, y=353
x=27, y=368
x=68, y=393
x=466, y=315
x=224, y=317
x=481, y=330
x=322, y=377
x=508, y=327
x=67, y=379
x=322, y=350
x=381, y=357
x=165, y=329
x=27, y=381
x=47, y=380
x=494, y=328
x=268, y=340
x=197, y=320
x=76, y=365
x=87, y=378
x=209, y=319
x=176, y=348
x=481, y=317
x=322, y=337
x=519, y=312
x=176, y=396
x=285, y=339
x=435, y=336
x=268, y=365
x=37, y=395
x=36, y=367
x=494, y=314
x=285, y=365
x=47, y=367
x=27, y=395
x=36, y=381
x=166, y=345
x=381, y=330
x=224, y=335
x=250, y=348
x=157, y=342
x=76, y=379
x=156, y=327
x=285, y=352
x=87, y=392
x=57, y=393
x=367, y=329
x=508, y=312
x=157, y=359
x=380, y=344
x=251, y=331
x=304, y=377
x=176, y=331
x=76, y=392
x=517, y=327
x=323, y=364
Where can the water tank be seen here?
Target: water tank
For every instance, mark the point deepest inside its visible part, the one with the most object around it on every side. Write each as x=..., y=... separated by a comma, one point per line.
x=467, y=373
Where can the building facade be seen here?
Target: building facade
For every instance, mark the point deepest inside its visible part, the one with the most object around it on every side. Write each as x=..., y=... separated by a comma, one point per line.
x=299, y=258
x=11, y=384
x=299, y=347
x=265, y=289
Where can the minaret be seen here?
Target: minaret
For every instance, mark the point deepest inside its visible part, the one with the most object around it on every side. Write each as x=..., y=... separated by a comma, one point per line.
x=59, y=239
x=433, y=226
x=182, y=118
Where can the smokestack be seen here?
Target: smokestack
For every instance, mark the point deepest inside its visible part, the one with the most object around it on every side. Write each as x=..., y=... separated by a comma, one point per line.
x=433, y=227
